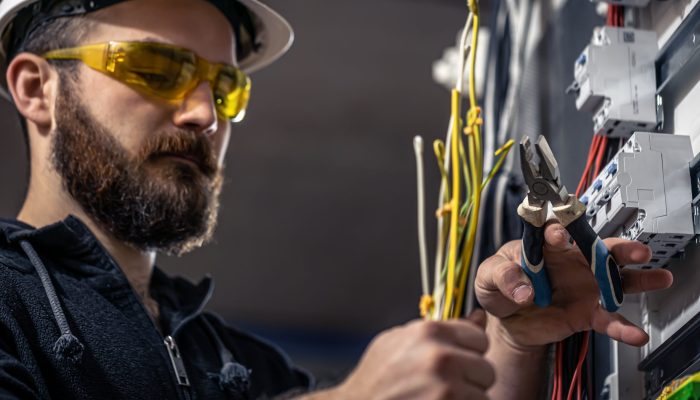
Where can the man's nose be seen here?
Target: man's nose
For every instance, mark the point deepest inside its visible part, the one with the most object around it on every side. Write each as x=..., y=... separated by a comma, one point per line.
x=197, y=111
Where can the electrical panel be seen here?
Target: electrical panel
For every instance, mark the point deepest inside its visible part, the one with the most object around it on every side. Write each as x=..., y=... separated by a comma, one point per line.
x=650, y=191
x=644, y=193
x=615, y=80
x=631, y=3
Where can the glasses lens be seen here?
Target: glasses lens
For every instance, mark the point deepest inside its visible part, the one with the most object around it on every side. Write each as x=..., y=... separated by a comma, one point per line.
x=231, y=93
x=159, y=70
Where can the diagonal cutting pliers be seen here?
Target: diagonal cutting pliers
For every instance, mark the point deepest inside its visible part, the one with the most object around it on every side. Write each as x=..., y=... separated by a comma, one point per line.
x=541, y=174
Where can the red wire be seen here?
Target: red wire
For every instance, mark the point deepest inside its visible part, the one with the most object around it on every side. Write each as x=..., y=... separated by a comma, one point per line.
x=616, y=16
x=578, y=389
x=557, y=373
x=555, y=386
x=602, y=146
x=586, y=170
x=579, y=366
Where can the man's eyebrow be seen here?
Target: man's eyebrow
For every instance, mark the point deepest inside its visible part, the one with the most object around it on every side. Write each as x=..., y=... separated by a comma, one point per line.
x=152, y=39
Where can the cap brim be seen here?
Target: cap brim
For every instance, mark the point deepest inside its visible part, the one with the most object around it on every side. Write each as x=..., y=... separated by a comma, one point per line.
x=275, y=37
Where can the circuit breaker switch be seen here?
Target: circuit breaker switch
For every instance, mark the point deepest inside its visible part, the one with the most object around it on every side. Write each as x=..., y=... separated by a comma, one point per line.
x=615, y=80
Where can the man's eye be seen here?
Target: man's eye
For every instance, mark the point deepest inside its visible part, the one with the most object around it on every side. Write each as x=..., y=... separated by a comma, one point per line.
x=153, y=78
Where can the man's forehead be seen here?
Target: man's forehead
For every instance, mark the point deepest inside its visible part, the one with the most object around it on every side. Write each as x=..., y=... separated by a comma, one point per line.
x=193, y=24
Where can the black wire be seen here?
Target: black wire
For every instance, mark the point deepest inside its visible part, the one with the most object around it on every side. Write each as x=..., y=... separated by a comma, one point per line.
x=611, y=148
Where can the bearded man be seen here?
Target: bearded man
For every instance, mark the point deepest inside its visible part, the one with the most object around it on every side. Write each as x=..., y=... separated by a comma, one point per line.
x=126, y=107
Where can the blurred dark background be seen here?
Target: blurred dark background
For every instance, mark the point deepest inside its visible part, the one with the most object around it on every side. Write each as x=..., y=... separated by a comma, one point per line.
x=316, y=246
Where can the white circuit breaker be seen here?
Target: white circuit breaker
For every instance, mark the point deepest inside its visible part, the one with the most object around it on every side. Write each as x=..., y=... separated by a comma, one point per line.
x=644, y=193
x=615, y=79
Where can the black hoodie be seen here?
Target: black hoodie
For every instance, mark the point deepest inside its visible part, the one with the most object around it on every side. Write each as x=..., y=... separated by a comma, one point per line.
x=71, y=327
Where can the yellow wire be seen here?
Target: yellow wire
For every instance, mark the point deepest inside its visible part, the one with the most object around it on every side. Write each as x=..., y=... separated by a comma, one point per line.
x=502, y=152
x=475, y=161
x=465, y=169
x=439, y=149
x=455, y=271
x=454, y=204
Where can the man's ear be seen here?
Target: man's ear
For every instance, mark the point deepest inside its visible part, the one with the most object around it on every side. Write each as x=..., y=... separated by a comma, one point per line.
x=32, y=83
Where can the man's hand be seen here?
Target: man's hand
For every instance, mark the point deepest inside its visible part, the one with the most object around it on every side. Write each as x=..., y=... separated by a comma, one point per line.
x=519, y=330
x=422, y=360
x=506, y=293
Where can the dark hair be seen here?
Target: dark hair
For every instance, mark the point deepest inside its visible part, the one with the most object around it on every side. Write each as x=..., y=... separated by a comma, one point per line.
x=55, y=34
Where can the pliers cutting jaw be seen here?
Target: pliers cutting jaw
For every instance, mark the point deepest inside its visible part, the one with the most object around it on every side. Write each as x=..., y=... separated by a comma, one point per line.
x=541, y=173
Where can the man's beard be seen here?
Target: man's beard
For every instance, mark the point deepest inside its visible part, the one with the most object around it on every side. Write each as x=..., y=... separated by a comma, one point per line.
x=148, y=200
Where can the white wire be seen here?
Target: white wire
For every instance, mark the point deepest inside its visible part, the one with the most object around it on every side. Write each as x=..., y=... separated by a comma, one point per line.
x=489, y=149
x=439, y=284
x=463, y=51
x=490, y=93
x=518, y=48
x=422, y=246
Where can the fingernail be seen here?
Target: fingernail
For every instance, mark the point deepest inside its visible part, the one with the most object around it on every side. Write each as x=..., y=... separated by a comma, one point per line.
x=522, y=293
x=566, y=238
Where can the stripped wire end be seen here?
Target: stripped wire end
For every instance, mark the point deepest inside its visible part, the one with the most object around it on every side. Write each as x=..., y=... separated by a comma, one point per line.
x=505, y=148
x=418, y=145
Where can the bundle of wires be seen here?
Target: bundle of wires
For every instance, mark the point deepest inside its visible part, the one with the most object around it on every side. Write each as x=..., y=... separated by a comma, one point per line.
x=571, y=355
x=462, y=170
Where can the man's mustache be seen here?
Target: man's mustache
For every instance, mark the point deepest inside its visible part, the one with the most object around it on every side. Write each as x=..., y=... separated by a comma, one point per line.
x=188, y=145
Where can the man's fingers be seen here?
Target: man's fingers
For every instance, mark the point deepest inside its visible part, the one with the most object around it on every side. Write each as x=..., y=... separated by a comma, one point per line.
x=455, y=332
x=502, y=287
x=479, y=371
x=628, y=251
x=478, y=316
x=617, y=327
x=645, y=280
x=556, y=237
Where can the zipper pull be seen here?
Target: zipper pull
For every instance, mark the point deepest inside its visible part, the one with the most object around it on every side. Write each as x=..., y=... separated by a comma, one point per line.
x=176, y=360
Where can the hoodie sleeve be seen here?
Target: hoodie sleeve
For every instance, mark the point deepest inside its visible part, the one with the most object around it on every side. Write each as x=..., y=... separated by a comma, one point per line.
x=15, y=380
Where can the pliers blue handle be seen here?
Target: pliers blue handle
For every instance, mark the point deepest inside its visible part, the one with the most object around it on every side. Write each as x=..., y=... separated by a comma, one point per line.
x=603, y=265
x=532, y=262
x=541, y=174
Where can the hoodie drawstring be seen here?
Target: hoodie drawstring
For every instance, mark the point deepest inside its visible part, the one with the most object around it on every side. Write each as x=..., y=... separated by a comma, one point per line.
x=67, y=347
x=234, y=378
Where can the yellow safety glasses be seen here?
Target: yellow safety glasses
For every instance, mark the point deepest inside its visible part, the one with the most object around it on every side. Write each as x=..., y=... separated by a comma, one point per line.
x=164, y=71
